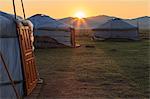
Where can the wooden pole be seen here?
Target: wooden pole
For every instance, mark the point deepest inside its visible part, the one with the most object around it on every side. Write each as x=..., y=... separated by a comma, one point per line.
x=14, y=7
x=23, y=9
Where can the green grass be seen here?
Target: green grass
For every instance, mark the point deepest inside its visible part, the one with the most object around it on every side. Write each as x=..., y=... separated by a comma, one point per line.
x=118, y=69
x=132, y=59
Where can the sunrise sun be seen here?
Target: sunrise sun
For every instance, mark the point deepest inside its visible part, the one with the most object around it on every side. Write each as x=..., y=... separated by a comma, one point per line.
x=80, y=14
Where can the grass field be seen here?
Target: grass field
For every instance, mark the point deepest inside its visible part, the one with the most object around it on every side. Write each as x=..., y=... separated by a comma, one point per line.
x=108, y=70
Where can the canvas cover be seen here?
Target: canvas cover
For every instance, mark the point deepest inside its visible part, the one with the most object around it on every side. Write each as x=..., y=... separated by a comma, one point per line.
x=116, y=28
x=7, y=23
x=47, y=26
x=9, y=47
x=41, y=21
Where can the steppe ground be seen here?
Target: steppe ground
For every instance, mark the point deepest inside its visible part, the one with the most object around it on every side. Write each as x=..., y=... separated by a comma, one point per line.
x=107, y=69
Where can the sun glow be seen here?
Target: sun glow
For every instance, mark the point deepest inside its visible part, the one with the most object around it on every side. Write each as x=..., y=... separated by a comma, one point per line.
x=80, y=14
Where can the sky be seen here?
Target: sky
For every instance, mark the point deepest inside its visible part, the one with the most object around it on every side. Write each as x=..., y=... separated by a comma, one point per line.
x=68, y=8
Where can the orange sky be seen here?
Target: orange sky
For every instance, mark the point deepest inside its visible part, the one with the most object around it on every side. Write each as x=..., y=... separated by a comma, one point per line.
x=65, y=8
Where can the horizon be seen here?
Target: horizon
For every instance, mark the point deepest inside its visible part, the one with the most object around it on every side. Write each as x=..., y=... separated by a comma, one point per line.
x=118, y=8
x=103, y=15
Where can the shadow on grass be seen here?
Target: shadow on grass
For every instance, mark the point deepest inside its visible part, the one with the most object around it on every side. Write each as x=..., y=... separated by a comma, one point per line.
x=111, y=69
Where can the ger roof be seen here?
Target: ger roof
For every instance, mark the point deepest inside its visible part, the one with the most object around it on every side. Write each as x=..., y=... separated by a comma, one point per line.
x=41, y=21
x=116, y=24
x=7, y=25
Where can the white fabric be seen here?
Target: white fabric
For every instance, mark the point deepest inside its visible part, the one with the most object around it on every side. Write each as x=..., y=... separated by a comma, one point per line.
x=116, y=24
x=9, y=47
x=130, y=34
x=8, y=25
x=47, y=26
x=46, y=22
x=116, y=28
x=61, y=36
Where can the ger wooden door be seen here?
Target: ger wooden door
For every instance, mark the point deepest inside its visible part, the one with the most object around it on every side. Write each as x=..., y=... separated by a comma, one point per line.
x=28, y=60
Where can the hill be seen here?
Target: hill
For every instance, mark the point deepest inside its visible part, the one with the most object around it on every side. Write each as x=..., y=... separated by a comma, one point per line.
x=91, y=22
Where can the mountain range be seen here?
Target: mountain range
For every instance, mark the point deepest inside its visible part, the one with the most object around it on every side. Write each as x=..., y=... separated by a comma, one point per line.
x=95, y=21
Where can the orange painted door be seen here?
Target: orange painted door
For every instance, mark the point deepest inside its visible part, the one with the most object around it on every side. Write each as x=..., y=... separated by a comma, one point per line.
x=28, y=59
